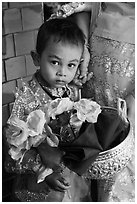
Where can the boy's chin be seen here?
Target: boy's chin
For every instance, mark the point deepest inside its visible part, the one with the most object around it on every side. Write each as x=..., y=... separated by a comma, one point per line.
x=59, y=86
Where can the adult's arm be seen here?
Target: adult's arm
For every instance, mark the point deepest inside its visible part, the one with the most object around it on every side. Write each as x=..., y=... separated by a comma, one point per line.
x=85, y=16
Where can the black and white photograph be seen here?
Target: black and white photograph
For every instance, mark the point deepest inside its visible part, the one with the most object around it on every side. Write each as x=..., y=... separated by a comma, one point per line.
x=68, y=101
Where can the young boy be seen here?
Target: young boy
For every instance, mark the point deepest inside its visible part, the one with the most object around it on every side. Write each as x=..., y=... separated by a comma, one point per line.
x=60, y=45
x=59, y=48
x=58, y=53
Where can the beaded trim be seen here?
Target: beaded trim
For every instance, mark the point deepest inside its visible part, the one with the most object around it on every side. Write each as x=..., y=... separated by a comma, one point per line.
x=57, y=92
x=27, y=196
x=66, y=10
x=110, y=162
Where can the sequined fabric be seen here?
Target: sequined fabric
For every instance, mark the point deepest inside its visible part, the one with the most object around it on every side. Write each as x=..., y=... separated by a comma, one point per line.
x=32, y=160
x=64, y=10
x=33, y=95
x=27, y=196
x=113, y=71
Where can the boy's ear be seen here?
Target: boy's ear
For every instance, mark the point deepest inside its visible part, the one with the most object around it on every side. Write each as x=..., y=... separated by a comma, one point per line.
x=35, y=57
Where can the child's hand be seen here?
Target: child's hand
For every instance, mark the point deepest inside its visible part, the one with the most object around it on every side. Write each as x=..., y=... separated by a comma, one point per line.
x=51, y=156
x=57, y=182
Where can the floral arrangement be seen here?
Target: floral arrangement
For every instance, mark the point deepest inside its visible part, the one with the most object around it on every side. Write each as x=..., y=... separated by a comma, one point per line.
x=48, y=123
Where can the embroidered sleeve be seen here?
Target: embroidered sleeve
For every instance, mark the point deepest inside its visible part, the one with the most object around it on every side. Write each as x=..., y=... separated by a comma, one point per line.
x=31, y=159
x=24, y=103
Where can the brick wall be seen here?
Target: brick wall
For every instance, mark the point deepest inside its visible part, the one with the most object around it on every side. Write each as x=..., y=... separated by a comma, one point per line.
x=20, y=23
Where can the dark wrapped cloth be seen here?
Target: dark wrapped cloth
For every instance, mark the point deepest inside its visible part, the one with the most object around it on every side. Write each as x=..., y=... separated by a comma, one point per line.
x=110, y=131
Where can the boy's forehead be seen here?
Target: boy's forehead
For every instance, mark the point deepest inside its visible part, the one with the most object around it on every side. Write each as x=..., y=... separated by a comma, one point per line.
x=64, y=50
x=64, y=42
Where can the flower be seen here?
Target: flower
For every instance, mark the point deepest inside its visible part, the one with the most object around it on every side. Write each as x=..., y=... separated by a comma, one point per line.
x=87, y=110
x=36, y=140
x=59, y=105
x=21, y=135
x=35, y=122
x=75, y=122
x=15, y=153
x=52, y=139
x=58, y=119
x=43, y=172
x=17, y=133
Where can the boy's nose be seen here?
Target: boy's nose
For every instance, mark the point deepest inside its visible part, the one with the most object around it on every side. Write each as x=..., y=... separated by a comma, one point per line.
x=61, y=72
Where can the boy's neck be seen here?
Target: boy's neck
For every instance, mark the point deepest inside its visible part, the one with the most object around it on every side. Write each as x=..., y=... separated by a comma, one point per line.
x=57, y=92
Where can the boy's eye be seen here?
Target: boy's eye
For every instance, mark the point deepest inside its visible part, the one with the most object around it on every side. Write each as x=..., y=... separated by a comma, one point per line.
x=54, y=62
x=71, y=65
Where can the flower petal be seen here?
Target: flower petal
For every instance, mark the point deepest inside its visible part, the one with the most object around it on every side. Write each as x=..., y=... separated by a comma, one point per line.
x=43, y=174
x=35, y=121
x=15, y=153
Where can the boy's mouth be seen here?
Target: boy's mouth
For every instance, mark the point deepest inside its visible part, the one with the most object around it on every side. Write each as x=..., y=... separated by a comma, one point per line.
x=60, y=82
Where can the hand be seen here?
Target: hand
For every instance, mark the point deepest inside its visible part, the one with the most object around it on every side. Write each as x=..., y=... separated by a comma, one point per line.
x=82, y=74
x=130, y=100
x=51, y=156
x=57, y=182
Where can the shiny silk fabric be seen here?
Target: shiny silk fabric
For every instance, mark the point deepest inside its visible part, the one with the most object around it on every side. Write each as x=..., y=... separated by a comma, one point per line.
x=112, y=54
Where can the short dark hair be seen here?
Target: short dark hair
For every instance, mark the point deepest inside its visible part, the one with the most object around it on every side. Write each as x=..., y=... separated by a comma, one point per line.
x=63, y=30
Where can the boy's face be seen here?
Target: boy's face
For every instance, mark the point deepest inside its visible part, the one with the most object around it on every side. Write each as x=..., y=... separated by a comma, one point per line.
x=59, y=62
